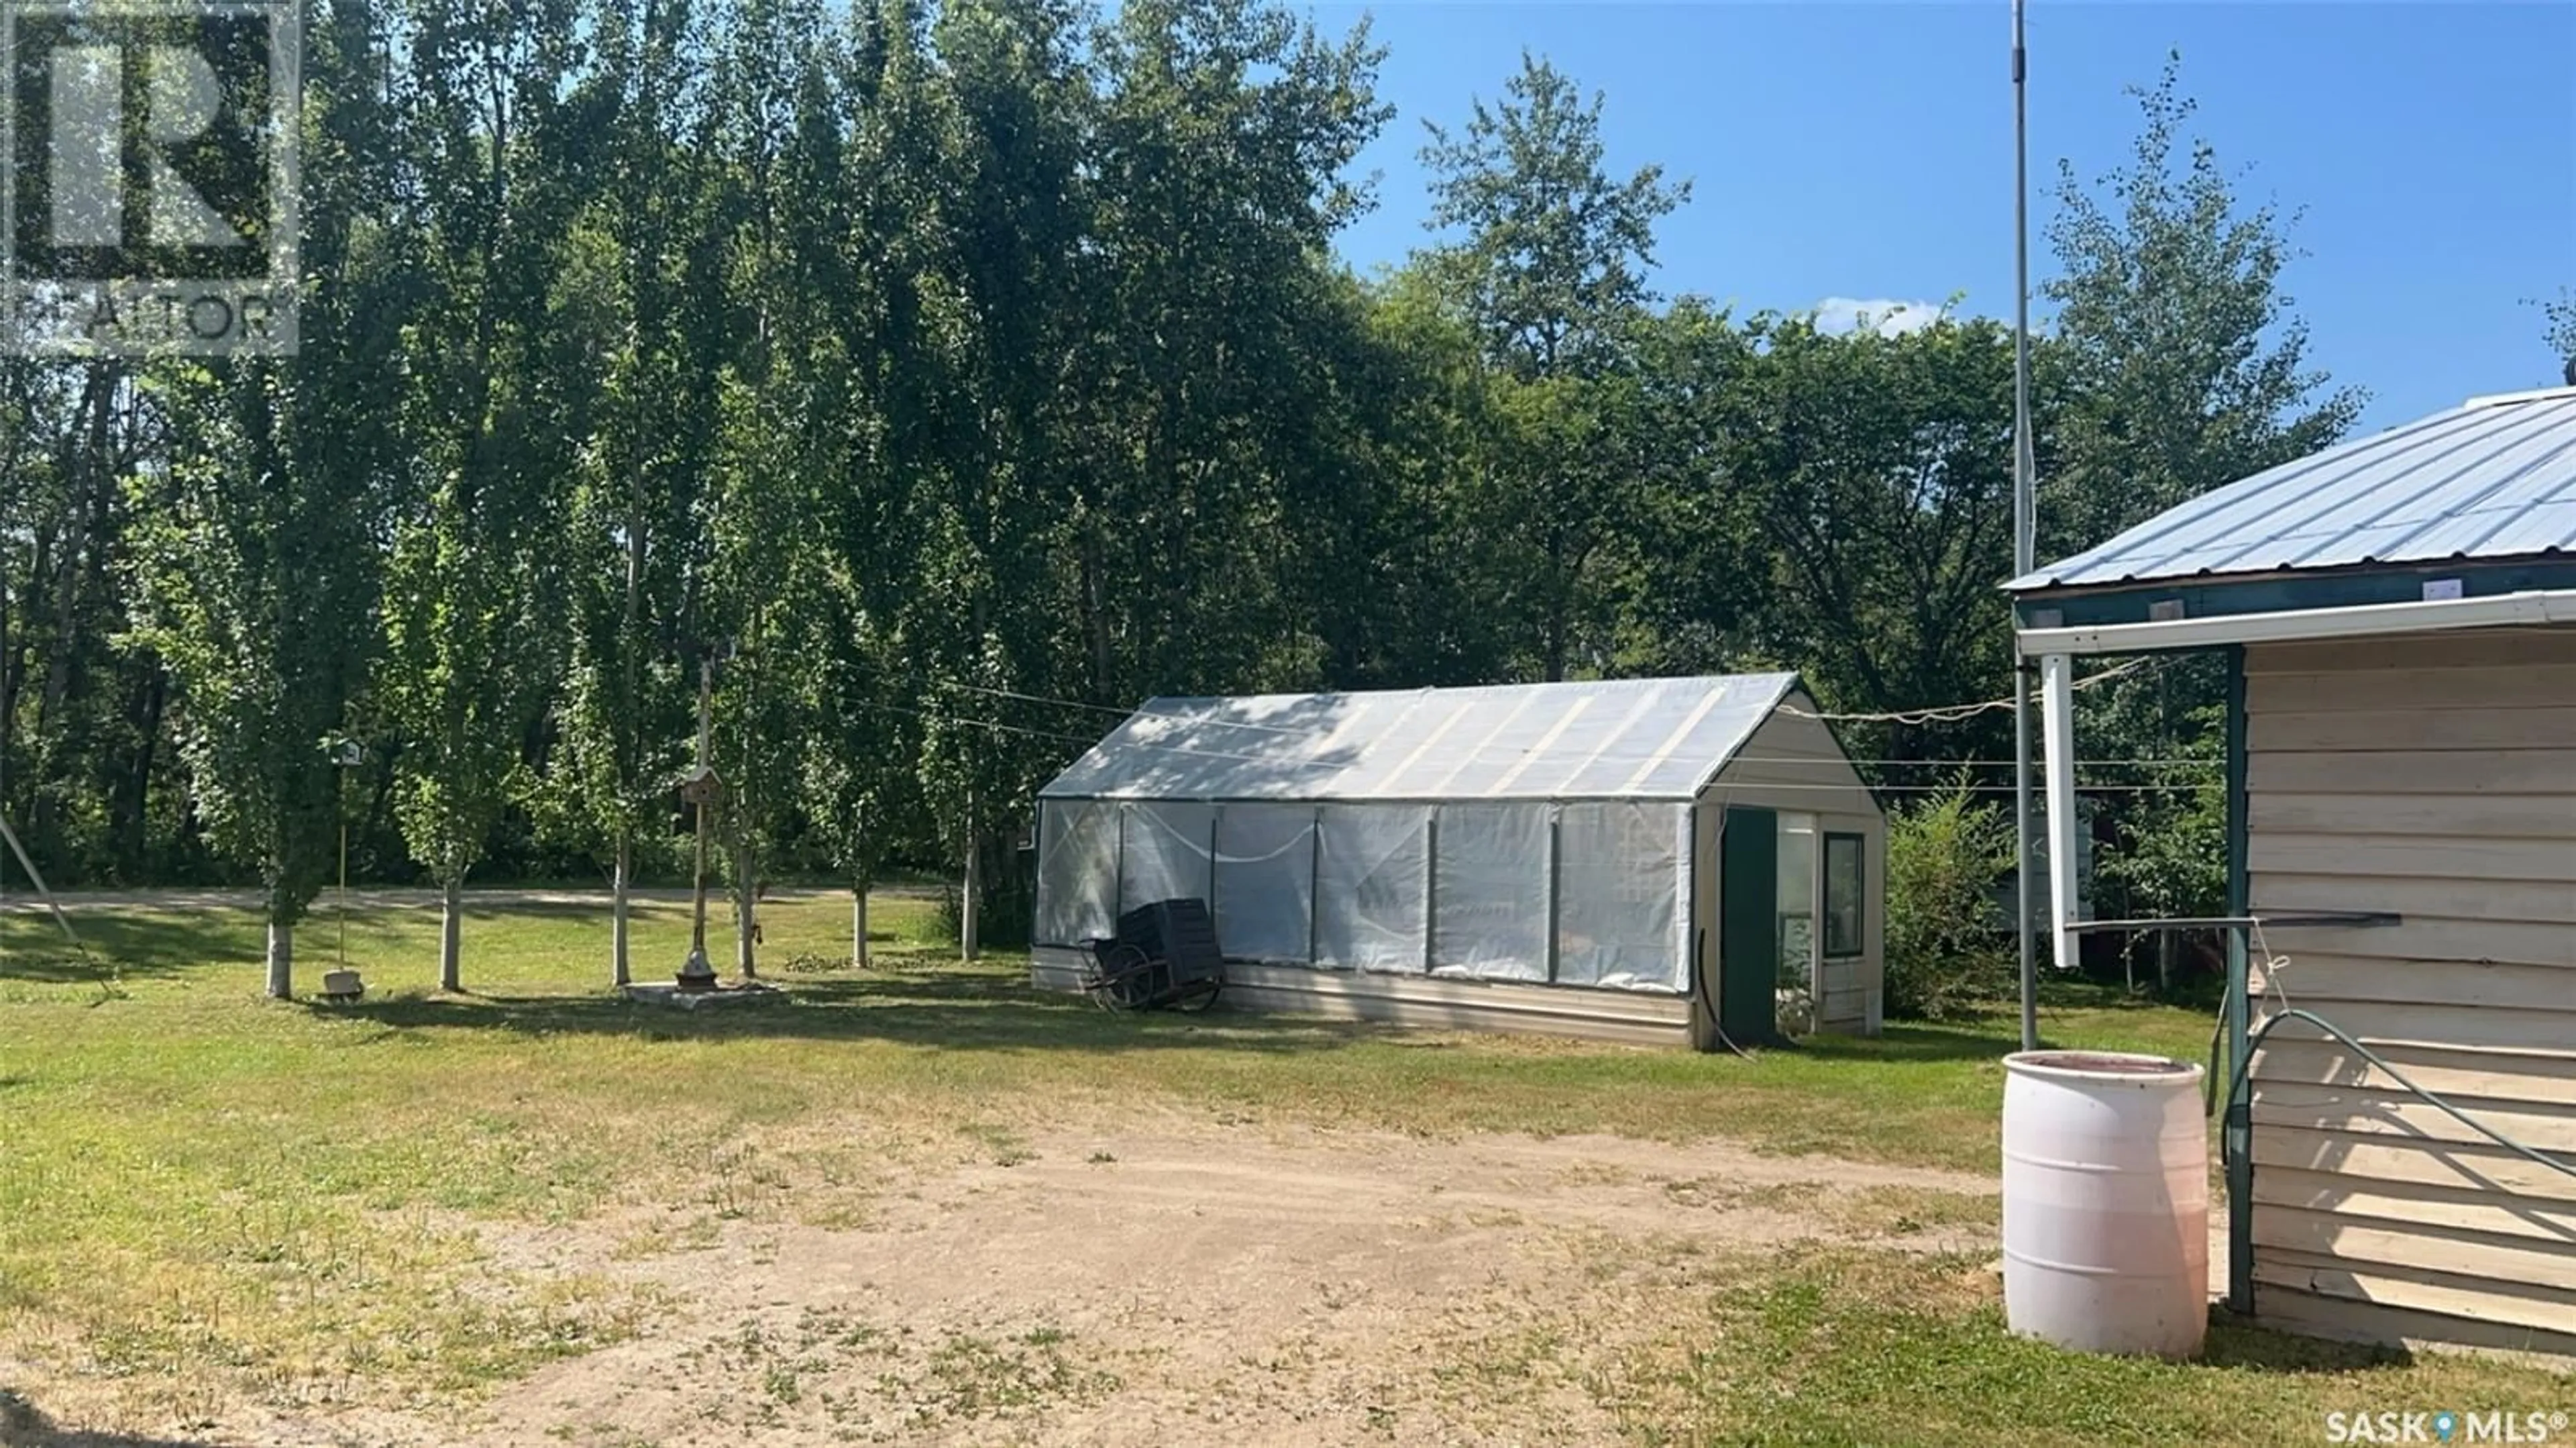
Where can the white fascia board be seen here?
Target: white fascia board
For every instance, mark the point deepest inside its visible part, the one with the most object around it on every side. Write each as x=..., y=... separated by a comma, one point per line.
x=2539, y=606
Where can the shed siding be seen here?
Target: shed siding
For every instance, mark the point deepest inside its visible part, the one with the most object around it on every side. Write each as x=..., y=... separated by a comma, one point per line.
x=1792, y=763
x=2434, y=777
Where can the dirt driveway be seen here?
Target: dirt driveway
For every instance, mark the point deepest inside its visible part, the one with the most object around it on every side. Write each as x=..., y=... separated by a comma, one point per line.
x=1187, y=1283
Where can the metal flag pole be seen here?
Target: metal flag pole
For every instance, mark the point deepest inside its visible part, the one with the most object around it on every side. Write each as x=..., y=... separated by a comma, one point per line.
x=340, y=806
x=2024, y=526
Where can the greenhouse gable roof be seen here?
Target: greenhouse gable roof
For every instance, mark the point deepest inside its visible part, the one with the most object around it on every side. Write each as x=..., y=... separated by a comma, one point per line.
x=1604, y=739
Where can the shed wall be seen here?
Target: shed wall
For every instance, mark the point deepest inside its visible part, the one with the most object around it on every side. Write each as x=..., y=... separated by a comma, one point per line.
x=1793, y=764
x=2434, y=777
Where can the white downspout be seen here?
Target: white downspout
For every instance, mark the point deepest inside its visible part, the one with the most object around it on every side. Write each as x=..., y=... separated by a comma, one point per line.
x=2057, y=749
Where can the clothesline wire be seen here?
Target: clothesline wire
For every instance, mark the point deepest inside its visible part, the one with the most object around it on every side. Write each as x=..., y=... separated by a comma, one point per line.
x=1956, y=713
x=1931, y=714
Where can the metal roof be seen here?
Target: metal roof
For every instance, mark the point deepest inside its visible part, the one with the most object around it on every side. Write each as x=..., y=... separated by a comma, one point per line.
x=2493, y=478
x=1606, y=739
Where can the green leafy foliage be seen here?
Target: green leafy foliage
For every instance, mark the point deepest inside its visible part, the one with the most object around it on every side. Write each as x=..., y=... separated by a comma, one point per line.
x=1549, y=271
x=1948, y=942
x=2558, y=331
x=975, y=371
x=2169, y=860
x=2179, y=364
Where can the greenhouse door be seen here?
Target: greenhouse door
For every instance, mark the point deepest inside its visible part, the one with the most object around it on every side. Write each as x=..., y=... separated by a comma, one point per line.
x=1748, y=924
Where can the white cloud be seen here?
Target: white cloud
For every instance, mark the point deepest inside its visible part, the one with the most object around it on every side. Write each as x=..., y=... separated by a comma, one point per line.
x=1887, y=316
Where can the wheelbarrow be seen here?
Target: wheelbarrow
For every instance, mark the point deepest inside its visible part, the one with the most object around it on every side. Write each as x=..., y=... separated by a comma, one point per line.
x=1164, y=957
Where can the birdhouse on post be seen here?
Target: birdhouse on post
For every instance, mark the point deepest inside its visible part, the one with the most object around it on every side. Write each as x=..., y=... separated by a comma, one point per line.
x=701, y=787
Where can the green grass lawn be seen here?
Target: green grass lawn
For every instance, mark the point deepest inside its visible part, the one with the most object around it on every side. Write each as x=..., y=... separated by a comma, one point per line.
x=207, y=1187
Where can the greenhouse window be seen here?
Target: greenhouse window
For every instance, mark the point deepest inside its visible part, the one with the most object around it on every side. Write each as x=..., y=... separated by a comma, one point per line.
x=1843, y=932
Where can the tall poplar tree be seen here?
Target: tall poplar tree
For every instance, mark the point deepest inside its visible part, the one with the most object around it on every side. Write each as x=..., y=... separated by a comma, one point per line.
x=643, y=284
x=256, y=563
x=473, y=584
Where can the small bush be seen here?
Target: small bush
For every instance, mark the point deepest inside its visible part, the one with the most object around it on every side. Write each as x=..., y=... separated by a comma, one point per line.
x=2170, y=862
x=1947, y=951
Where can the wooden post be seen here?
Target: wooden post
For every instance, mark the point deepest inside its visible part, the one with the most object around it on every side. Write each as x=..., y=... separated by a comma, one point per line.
x=698, y=888
x=697, y=973
x=1315, y=887
x=859, y=890
x=970, y=900
x=971, y=897
x=618, y=909
x=1430, y=884
x=1555, y=829
x=340, y=807
x=746, y=925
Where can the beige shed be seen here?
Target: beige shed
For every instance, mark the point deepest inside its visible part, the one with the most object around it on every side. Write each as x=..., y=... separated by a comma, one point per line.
x=2400, y=618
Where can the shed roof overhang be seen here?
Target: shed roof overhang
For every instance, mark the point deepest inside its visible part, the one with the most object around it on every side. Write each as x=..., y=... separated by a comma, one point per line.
x=2044, y=629
x=2473, y=504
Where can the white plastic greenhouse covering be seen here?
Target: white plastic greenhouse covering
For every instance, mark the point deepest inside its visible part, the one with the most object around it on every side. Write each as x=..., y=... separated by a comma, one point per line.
x=1364, y=886
x=1526, y=833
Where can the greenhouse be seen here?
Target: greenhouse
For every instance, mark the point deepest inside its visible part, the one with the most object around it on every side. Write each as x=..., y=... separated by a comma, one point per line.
x=1671, y=860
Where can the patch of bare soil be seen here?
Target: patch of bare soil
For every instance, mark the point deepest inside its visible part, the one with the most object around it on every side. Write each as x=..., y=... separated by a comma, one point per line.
x=1184, y=1283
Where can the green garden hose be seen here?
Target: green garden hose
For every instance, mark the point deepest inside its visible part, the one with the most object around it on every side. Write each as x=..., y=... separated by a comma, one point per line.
x=2238, y=1075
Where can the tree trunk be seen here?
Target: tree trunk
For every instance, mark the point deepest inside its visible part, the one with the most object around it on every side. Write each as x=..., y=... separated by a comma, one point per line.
x=970, y=900
x=859, y=923
x=451, y=908
x=281, y=961
x=618, y=974
x=133, y=816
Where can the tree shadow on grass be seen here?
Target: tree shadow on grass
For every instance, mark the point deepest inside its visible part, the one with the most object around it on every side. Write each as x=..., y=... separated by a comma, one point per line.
x=160, y=942
x=2082, y=993
x=1969, y=1041
x=66, y=967
x=942, y=1010
x=951, y=1008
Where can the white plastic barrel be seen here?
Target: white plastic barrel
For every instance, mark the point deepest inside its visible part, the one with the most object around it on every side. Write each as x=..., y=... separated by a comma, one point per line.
x=2106, y=1202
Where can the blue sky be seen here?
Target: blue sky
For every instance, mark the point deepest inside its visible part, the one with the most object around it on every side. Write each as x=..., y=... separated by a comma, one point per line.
x=1864, y=151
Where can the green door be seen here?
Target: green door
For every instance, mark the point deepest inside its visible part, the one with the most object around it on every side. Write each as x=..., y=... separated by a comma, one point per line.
x=1748, y=924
